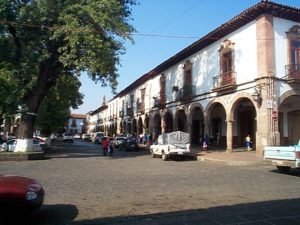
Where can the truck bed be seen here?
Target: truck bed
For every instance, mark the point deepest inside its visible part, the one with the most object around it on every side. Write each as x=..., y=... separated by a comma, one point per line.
x=281, y=152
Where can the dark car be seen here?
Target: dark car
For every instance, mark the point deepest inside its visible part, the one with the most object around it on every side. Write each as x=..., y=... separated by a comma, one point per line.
x=23, y=193
x=129, y=144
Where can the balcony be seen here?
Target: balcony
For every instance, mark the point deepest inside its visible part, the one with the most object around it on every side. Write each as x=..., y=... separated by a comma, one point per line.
x=292, y=73
x=159, y=103
x=225, y=82
x=185, y=93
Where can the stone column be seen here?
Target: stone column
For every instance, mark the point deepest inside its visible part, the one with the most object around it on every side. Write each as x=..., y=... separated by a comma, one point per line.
x=229, y=132
x=163, y=125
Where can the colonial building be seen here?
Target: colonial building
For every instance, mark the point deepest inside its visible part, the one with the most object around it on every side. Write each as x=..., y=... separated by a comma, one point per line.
x=76, y=124
x=242, y=78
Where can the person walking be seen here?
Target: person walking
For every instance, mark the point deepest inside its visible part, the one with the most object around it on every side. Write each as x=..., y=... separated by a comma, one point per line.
x=248, y=142
x=110, y=148
x=105, y=144
x=205, y=142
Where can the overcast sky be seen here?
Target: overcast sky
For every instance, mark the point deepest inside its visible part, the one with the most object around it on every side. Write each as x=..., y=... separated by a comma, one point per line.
x=164, y=28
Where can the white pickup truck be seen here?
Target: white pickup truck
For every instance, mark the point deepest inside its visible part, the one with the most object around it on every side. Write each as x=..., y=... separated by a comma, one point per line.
x=174, y=144
x=283, y=157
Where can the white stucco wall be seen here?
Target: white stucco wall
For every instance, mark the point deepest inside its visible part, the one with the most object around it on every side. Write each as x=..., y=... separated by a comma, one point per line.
x=281, y=26
x=206, y=63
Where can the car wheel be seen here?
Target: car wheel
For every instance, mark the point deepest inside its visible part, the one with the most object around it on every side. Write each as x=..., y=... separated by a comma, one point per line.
x=164, y=156
x=152, y=153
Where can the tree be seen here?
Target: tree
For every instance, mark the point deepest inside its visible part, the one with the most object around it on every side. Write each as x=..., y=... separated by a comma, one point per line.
x=42, y=40
x=55, y=108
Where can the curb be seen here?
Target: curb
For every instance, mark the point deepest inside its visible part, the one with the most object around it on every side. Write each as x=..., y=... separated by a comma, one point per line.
x=230, y=162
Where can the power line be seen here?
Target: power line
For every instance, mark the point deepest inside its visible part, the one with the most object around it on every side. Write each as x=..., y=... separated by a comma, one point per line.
x=89, y=30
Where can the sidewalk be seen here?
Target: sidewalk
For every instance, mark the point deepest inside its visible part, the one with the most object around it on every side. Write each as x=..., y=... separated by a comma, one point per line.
x=235, y=158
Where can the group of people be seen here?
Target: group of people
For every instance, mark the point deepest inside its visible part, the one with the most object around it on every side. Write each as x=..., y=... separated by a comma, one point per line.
x=107, y=147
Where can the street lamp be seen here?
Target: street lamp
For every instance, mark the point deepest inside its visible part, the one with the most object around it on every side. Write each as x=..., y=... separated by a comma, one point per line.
x=257, y=96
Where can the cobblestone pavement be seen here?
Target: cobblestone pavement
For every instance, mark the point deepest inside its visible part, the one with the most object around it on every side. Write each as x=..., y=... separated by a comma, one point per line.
x=84, y=188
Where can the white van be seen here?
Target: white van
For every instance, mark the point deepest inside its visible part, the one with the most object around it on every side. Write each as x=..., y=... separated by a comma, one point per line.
x=97, y=137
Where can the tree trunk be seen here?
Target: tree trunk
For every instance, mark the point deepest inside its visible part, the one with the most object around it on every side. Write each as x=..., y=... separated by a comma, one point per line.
x=25, y=141
x=33, y=101
x=46, y=79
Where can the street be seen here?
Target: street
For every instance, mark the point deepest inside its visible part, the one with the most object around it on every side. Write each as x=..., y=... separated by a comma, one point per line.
x=84, y=187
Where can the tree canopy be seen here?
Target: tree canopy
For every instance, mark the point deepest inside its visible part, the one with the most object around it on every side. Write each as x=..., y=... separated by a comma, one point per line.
x=54, y=110
x=42, y=40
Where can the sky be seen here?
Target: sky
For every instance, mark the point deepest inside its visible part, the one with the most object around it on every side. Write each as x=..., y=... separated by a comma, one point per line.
x=163, y=28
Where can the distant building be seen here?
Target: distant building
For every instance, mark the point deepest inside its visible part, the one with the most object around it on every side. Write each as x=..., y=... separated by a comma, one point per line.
x=76, y=124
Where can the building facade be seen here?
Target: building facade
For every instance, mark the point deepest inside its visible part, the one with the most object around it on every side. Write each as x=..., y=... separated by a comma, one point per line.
x=243, y=78
x=76, y=124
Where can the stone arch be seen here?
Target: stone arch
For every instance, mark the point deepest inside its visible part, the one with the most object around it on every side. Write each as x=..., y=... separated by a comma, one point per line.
x=215, y=123
x=196, y=123
x=156, y=123
x=180, y=121
x=244, y=115
x=168, y=121
x=235, y=101
x=140, y=126
x=289, y=117
x=146, y=123
x=134, y=126
x=288, y=94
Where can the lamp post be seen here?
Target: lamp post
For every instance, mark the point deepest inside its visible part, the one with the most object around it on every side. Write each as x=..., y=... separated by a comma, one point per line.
x=257, y=96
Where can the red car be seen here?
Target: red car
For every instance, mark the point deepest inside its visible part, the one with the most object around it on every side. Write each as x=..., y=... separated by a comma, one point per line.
x=18, y=192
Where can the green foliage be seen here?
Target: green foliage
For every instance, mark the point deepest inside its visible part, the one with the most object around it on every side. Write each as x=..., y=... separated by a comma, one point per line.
x=55, y=108
x=54, y=37
x=42, y=41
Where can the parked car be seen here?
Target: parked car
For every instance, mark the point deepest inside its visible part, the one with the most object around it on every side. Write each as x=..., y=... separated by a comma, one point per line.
x=86, y=137
x=17, y=192
x=41, y=141
x=10, y=145
x=67, y=137
x=174, y=144
x=97, y=137
x=118, y=141
x=129, y=144
x=77, y=136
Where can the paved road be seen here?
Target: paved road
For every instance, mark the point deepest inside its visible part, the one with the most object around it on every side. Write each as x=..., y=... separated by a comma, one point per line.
x=83, y=187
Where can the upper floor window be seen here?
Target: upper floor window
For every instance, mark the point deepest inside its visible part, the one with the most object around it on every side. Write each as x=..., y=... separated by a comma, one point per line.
x=226, y=62
x=143, y=93
x=293, y=65
x=162, y=91
x=131, y=101
x=187, y=78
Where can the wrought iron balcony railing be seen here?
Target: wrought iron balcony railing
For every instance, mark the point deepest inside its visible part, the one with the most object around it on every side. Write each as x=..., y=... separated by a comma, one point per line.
x=292, y=71
x=186, y=92
x=228, y=78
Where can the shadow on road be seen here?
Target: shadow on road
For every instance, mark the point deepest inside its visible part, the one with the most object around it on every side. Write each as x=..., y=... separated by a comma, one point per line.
x=263, y=213
x=292, y=172
x=47, y=214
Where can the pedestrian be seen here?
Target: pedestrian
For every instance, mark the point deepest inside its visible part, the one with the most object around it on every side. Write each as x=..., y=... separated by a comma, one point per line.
x=105, y=144
x=248, y=142
x=205, y=142
x=145, y=139
x=110, y=148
